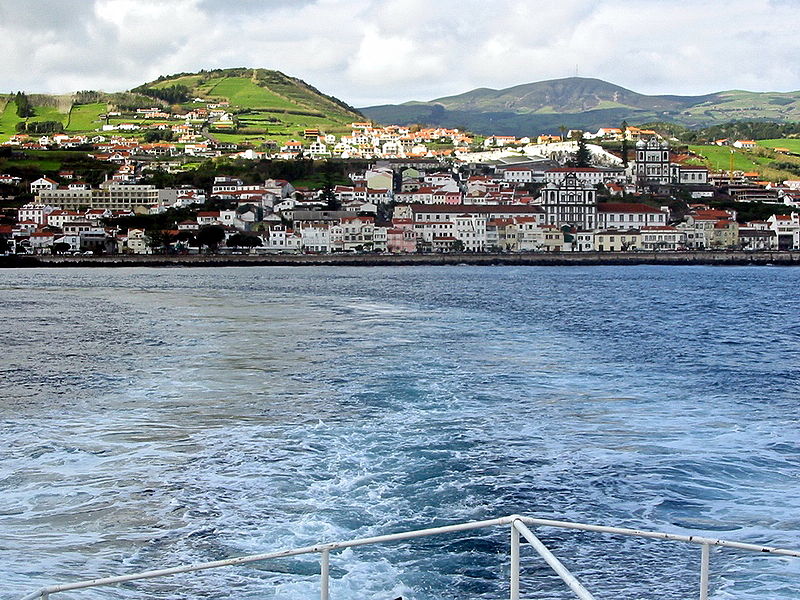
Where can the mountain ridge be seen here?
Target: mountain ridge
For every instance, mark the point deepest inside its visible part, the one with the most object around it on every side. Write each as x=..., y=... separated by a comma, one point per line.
x=584, y=102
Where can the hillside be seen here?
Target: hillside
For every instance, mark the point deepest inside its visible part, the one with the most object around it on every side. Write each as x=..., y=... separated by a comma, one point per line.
x=578, y=102
x=266, y=105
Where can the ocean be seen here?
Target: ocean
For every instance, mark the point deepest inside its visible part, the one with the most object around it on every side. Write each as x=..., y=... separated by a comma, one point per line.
x=151, y=417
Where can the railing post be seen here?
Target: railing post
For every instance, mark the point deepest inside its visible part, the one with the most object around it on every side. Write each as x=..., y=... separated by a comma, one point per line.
x=514, y=562
x=324, y=574
x=704, y=559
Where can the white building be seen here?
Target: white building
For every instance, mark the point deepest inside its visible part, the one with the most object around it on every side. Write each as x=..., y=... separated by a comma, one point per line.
x=43, y=183
x=34, y=212
x=627, y=215
x=518, y=175
x=662, y=238
x=590, y=175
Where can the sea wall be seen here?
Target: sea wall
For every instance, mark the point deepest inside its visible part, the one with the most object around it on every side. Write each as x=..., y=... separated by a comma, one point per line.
x=367, y=260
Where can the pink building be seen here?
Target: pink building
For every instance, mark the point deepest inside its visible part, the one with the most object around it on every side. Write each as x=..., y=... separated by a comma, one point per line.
x=400, y=240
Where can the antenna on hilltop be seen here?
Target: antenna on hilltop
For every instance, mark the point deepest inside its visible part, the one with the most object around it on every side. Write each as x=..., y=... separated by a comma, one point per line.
x=576, y=70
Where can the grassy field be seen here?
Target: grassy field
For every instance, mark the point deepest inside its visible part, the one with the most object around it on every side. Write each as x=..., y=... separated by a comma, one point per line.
x=739, y=105
x=242, y=92
x=718, y=158
x=86, y=117
x=49, y=161
x=236, y=138
x=48, y=113
x=189, y=81
x=792, y=144
x=8, y=121
x=761, y=161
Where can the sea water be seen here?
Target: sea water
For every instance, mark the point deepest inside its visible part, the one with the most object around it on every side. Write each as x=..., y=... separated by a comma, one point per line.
x=157, y=417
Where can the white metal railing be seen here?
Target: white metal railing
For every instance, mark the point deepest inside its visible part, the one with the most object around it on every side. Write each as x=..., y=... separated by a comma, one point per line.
x=519, y=526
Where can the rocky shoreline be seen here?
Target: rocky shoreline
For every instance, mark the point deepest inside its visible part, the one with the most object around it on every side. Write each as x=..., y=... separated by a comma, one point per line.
x=732, y=258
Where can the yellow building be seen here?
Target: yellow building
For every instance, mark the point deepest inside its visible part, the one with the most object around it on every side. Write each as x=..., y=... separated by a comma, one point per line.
x=616, y=240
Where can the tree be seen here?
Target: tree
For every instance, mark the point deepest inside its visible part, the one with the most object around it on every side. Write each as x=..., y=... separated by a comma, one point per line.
x=61, y=247
x=24, y=108
x=582, y=158
x=242, y=240
x=563, y=130
x=331, y=201
x=211, y=236
x=624, y=128
x=156, y=239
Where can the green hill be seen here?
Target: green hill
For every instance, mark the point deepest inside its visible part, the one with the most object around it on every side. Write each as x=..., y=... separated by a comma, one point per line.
x=584, y=103
x=267, y=105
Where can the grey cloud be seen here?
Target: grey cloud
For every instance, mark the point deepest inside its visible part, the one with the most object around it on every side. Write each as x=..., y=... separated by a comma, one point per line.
x=373, y=51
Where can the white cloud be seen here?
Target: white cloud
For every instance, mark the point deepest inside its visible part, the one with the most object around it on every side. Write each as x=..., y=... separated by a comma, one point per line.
x=375, y=51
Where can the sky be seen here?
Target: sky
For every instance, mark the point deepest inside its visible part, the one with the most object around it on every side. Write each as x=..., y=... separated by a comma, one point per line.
x=369, y=52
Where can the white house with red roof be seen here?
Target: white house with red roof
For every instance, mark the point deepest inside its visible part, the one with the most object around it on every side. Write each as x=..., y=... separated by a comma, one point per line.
x=43, y=183
x=59, y=217
x=41, y=242
x=10, y=180
x=787, y=229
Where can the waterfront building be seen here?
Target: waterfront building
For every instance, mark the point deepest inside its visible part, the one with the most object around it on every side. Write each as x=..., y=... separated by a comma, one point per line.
x=316, y=238
x=725, y=235
x=616, y=240
x=661, y=237
x=758, y=239
x=787, y=230
x=471, y=230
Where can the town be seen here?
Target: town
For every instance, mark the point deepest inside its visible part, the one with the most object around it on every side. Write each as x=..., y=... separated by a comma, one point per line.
x=408, y=190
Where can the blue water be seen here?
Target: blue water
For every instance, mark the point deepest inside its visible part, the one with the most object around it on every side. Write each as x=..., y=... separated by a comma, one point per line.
x=154, y=417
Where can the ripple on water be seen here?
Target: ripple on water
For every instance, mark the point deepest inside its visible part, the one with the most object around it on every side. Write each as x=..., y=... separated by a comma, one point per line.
x=155, y=417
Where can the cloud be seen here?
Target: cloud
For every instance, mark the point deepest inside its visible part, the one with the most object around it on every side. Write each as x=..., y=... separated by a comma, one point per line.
x=377, y=51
